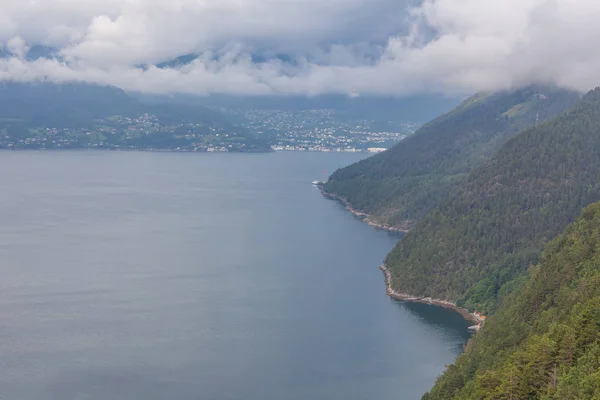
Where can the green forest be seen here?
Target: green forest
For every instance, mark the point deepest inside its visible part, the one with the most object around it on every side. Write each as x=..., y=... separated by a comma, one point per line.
x=399, y=186
x=476, y=246
x=544, y=340
x=502, y=234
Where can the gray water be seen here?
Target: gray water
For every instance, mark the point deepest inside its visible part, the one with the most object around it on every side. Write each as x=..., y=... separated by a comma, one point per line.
x=200, y=276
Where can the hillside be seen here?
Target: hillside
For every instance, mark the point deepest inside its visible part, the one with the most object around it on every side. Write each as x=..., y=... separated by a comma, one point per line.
x=399, y=186
x=544, y=341
x=75, y=115
x=416, y=108
x=79, y=104
x=472, y=247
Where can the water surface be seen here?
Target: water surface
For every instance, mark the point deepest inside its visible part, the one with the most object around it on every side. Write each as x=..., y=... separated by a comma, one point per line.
x=200, y=276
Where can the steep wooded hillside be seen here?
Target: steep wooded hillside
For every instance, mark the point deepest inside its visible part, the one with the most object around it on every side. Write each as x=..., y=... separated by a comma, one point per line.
x=476, y=245
x=544, y=341
x=399, y=186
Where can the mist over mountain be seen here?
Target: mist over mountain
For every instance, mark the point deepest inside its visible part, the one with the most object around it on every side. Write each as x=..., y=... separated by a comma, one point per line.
x=267, y=47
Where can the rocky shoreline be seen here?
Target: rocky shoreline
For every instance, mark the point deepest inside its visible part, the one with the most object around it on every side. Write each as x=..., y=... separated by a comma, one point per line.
x=368, y=219
x=476, y=318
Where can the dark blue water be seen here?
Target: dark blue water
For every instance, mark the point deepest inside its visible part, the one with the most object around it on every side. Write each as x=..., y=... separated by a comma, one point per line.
x=195, y=276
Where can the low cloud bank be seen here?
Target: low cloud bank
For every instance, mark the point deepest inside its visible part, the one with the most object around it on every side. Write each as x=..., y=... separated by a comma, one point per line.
x=304, y=46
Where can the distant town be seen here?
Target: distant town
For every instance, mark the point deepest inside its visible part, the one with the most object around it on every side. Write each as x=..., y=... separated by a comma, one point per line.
x=261, y=130
x=143, y=132
x=324, y=130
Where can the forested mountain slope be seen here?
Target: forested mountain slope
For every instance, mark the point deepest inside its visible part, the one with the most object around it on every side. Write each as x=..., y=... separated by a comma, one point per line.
x=80, y=104
x=401, y=185
x=544, y=341
x=472, y=247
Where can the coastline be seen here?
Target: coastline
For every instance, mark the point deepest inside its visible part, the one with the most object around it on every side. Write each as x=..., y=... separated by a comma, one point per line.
x=475, y=318
x=140, y=150
x=392, y=293
x=366, y=218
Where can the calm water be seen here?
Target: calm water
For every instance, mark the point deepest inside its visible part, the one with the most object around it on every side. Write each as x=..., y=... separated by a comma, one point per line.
x=196, y=276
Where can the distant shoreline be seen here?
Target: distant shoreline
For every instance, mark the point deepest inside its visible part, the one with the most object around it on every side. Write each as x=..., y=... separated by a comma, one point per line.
x=366, y=218
x=175, y=150
x=391, y=292
x=99, y=149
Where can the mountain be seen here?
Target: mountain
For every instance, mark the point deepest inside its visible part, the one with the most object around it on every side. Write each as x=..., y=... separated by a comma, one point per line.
x=385, y=109
x=398, y=187
x=51, y=104
x=45, y=114
x=76, y=104
x=544, y=341
x=474, y=246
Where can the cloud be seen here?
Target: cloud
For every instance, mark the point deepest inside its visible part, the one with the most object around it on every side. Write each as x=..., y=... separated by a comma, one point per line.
x=306, y=46
x=17, y=46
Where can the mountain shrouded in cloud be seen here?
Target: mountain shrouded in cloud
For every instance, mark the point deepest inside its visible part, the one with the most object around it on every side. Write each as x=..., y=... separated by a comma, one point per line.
x=302, y=47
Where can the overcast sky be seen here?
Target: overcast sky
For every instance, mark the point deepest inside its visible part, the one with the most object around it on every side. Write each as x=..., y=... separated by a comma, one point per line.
x=396, y=47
